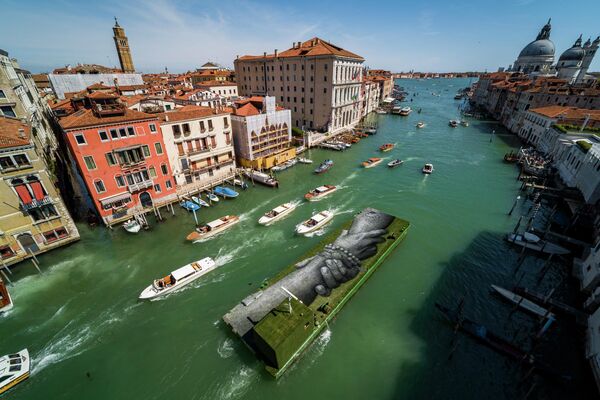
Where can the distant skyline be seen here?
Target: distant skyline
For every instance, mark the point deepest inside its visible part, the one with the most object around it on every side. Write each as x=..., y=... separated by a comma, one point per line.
x=437, y=36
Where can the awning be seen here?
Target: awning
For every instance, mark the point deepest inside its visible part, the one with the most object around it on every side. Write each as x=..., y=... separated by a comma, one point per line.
x=24, y=194
x=38, y=190
x=115, y=198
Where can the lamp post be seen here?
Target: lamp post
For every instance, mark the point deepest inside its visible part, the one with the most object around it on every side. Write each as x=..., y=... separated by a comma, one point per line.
x=514, y=205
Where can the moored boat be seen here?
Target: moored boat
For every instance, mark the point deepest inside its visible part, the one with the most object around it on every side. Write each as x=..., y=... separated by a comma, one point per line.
x=453, y=123
x=199, y=201
x=213, y=227
x=386, y=147
x=324, y=166
x=262, y=178
x=277, y=213
x=534, y=242
x=5, y=299
x=427, y=169
x=395, y=163
x=285, y=165
x=371, y=162
x=305, y=161
x=212, y=197
x=225, y=192
x=178, y=278
x=380, y=111
x=189, y=205
x=14, y=369
x=240, y=183
x=420, y=125
x=405, y=111
x=132, y=226
x=511, y=157
x=320, y=192
x=314, y=223
x=524, y=303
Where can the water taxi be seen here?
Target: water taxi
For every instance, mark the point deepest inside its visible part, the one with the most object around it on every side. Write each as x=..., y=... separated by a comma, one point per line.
x=132, y=226
x=324, y=167
x=427, y=169
x=405, y=111
x=178, y=278
x=371, y=162
x=5, y=299
x=14, y=368
x=277, y=213
x=386, y=147
x=420, y=125
x=320, y=192
x=453, y=123
x=395, y=163
x=314, y=223
x=213, y=227
x=226, y=192
x=261, y=177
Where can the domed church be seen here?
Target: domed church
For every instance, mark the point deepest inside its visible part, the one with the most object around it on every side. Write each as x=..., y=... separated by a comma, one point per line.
x=573, y=64
x=537, y=56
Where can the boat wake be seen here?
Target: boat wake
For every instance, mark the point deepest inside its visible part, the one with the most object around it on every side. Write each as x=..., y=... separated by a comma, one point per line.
x=347, y=179
x=225, y=349
x=237, y=384
x=244, y=216
x=411, y=159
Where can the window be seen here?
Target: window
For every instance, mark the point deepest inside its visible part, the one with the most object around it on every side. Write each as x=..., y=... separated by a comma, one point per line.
x=157, y=188
x=99, y=185
x=114, y=134
x=164, y=169
x=152, y=172
x=176, y=130
x=89, y=162
x=130, y=131
x=153, y=127
x=186, y=128
x=120, y=181
x=80, y=139
x=168, y=184
x=146, y=150
x=122, y=132
x=2, y=95
x=324, y=90
x=103, y=136
x=158, y=148
x=110, y=159
x=202, y=127
x=210, y=125
x=225, y=122
x=7, y=163
x=8, y=111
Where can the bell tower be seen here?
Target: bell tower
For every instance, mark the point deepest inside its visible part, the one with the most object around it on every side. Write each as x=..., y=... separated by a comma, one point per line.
x=123, y=50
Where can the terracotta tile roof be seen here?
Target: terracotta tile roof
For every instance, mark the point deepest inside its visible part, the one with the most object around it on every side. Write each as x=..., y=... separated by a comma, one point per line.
x=247, y=110
x=13, y=133
x=312, y=47
x=186, y=113
x=216, y=83
x=98, y=86
x=131, y=100
x=84, y=118
x=131, y=87
x=572, y=113
x=101, y=95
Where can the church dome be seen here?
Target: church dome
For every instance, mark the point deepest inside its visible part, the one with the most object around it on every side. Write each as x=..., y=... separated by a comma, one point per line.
x=542, y=47
x=572, y=54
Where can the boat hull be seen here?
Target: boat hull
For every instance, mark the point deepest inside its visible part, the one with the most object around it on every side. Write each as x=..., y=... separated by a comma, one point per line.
x=264, y=220
x=311, y=197
x=20, y=376
x=151, y=293
x=195, y=235
x=303, y=229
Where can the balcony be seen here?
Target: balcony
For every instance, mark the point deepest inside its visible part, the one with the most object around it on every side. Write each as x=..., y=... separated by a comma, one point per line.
x=132, y=164
x=136, y=187
x=36, y=203
x=205, y=168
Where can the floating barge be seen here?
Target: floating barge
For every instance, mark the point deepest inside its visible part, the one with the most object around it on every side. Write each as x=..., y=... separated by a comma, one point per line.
x=280, y=321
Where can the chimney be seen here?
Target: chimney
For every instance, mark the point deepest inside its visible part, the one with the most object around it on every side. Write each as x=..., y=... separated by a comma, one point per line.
x=265, y=54
x=166, y=118
x=275, y=52
x=22, y=133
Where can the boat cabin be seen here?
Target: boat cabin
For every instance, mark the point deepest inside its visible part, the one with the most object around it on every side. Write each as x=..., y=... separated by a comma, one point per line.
x=316, y=220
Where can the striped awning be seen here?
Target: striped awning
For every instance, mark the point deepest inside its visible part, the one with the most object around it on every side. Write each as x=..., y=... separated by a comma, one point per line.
x=113, y=199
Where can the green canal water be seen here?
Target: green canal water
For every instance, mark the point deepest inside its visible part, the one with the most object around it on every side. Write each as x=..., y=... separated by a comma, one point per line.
x=90, y=338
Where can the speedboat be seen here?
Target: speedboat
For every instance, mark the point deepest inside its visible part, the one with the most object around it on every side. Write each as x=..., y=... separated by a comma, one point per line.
x=428, y=169
x=200, y=202
x=213, y=227
x=178, y=278
x=225, y=192
x=395, y=163
x=14, y=368
x=320, y=192
x=5, y=299
x=189, y=205
x=314, y=223
x=132, y=226
x=325, y=166
x=404, y=111
x=305, y=161
x=386, y=147
x=212, y=197
x=371, y=162
x=534, y=242
x=240, y=183
x=261, y=177
x=453, y=123
x=420, y=125
x=277, y=213
x=524, y=303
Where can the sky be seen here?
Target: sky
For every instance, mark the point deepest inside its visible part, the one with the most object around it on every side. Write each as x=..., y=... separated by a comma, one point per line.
x=437, y=35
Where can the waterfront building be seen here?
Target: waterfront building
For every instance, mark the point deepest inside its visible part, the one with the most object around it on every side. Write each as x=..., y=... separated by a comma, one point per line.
x=123, y=50
x=370, y=95
x=120, y=155
x=261, y=132
x=199, y=145
x=34, y=217
x=385, y=79
x=319, y=82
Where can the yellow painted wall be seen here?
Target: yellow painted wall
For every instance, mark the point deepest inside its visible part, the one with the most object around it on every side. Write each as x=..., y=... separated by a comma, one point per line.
x=270, y=161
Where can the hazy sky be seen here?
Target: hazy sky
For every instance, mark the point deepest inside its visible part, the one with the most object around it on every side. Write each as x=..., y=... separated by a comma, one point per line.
x=441, y=35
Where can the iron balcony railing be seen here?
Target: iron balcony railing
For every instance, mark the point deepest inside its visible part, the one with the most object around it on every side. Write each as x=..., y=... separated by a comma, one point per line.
x=140, y=186
x=36, y=203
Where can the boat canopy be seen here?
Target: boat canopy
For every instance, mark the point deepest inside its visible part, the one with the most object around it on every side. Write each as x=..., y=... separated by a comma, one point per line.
x=216, y=223
x=322, y=189
x=182, y=272
x=319, y=217
x=279, y=209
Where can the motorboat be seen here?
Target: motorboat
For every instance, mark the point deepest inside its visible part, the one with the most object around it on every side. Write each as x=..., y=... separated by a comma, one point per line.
x=14, y=369
x=6, y=302
x=199, y=201
x=395, y=163
x=396, y=110
x=371, y=130
x=277, y=213
x=132, y=226
x=212, y=197
x=534, y=242
x=386, y=147
x=262, y=178
x=380, y=111
x=178, y=278
x=511, y=157
x=314, y=223
x=427, y=169
x=405, y=111
x=240, y=183
x=524, y=303
x=189, y=205
x=333, y=146
x=285, y=165
x=305, y=161
x=371, y=162
x=464, y=123
x=324, y=167
x=420, y=125
x=320, y=192
x=213, y=227
x=225, y=192
x=453, y=123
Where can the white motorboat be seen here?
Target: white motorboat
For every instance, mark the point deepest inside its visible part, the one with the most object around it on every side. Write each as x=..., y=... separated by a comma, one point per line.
x=453, y=123
x=213, y=227
x=404, y=111
x=524, y=303
x=277, y=213
x=427, y=169
x=5, y=299
x=240, y=183
x=305, y=161
x=420, y=125
x=199, y=201
x=380, y=111
x=14, y=368
x=178, y=278
x=314, y=223
x=261, y=177
x=212, y=197
x=132, y=226
x=534, y=242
